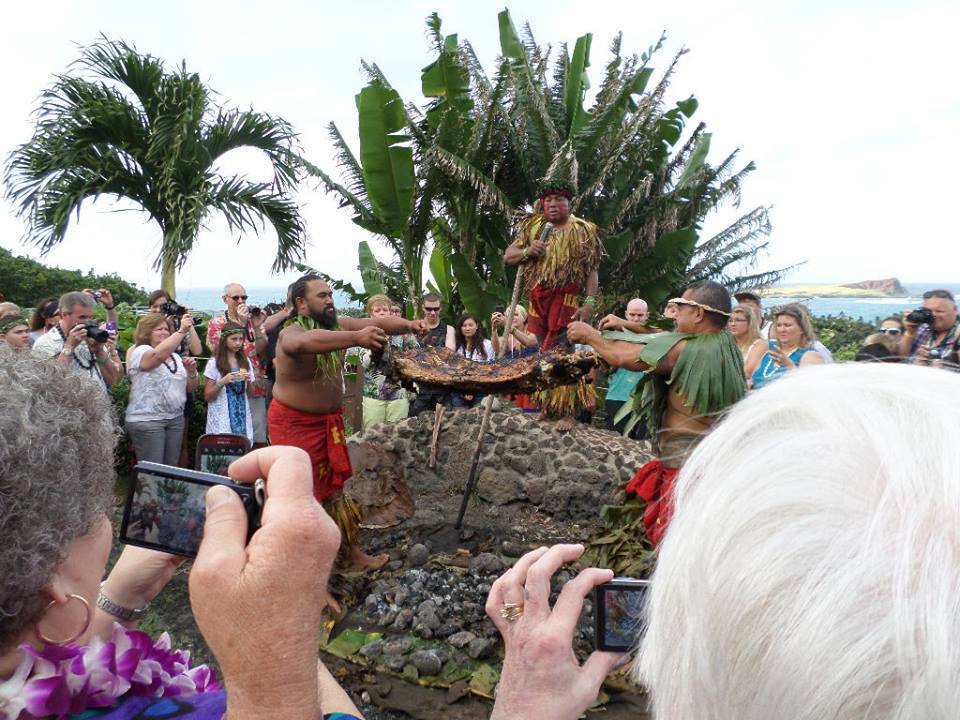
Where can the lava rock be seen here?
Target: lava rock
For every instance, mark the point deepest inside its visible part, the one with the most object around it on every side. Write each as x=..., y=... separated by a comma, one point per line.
x=480, y=648
x=485, y=564
x=400, y=646
x=373, y=649
x=499, y=486
x=394, y=565
x=418, y=555
x=387, y=617
x=446, y=630
x=512, y=549
x=394, y=662
x=404, y=619
x=426, y=662
x=461, y=639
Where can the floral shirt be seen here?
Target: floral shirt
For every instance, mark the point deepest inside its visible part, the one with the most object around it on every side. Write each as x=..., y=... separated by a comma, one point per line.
x=375, y=383
x=215, y=327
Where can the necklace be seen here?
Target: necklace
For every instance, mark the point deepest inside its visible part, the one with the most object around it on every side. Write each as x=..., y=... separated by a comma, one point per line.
x=73, y=353
x=173, y=370
x=62, y=680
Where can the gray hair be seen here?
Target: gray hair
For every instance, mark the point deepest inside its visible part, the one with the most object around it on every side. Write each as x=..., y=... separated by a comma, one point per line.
x=68, y=301
x=811, y=568
x=57, y=436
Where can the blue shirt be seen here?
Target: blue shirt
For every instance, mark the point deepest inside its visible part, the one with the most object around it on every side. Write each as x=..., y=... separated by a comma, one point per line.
x=768, y=370
x=622, y=383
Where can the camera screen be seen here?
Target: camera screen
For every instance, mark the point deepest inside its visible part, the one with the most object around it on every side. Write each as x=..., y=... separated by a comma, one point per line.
x=216, y=460
x=166, y=513
x=623, y=617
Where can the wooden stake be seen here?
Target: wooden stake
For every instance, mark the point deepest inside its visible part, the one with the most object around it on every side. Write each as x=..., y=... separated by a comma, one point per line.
x=435, y=439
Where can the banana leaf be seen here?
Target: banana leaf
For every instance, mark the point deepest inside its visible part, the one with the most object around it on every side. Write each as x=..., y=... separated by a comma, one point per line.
x=369, y=270
x=387, y=164
x=577, y=85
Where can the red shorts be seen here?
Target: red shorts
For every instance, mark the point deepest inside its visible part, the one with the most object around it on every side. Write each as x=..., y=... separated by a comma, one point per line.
x=551, y=310
x=322, y=436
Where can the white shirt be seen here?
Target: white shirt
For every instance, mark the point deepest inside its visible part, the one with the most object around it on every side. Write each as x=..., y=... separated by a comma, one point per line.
x=478, y=356
x=157, y=394
x=49, y=345
x=218, y=414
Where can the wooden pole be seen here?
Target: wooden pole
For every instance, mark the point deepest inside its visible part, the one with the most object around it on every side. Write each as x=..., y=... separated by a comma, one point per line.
x=435, y=439
x=488, y=402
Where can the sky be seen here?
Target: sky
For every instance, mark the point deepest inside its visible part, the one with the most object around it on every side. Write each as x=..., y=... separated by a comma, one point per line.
x=848, y=108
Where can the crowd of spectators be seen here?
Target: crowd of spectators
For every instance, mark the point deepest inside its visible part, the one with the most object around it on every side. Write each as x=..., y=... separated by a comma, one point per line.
x=829, y=594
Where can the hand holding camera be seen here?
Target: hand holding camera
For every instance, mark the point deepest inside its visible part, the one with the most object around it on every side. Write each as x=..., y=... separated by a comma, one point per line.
x=272, y=586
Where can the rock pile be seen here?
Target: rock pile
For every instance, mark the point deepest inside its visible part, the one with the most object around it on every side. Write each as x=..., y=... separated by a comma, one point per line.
x=567, y=475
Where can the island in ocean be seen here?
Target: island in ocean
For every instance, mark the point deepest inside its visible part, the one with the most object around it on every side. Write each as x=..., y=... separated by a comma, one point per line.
x=886, y=288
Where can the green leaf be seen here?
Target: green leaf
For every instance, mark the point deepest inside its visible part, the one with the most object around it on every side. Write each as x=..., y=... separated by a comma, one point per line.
x=369, y=270
x=697, y=159
x=346, y=643
x=577, y=85
x=440, y=269
x=387, y=164
x=510, y=45
x=471, y=287
x=689, y=106
x=484, y=680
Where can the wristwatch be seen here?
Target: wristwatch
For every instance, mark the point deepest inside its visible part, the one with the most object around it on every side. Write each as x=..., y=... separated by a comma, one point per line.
x=118, y=611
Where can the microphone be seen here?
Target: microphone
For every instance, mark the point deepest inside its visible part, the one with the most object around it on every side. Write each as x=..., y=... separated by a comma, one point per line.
x=547, y=229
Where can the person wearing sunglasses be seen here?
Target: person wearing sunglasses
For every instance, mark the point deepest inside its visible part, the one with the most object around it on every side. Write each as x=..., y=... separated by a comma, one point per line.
x=439, y=335
x=254, y=347
x=935, y=342
x=692, y=375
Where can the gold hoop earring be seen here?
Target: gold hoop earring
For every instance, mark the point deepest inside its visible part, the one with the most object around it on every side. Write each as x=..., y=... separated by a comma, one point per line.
x=86, y=622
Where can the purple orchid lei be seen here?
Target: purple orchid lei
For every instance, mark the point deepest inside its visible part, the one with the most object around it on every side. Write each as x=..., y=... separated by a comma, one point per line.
x=61, y=680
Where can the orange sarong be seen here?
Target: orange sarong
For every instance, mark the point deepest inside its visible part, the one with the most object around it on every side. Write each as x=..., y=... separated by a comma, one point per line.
x=322, y=436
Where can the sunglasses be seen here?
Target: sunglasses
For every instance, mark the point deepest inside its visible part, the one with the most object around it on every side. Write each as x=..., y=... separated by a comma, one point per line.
x=429, y=309
x=890, y=331
x=238, y=298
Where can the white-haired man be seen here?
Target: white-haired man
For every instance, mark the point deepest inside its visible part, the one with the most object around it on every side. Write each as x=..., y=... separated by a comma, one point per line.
x=254, y=346
x=810, y=570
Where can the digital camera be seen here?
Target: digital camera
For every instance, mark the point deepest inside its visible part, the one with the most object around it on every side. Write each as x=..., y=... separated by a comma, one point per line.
x=95, y=332
x=620, y=613
x=920, y=316
x=166, y=507
x=173, y=309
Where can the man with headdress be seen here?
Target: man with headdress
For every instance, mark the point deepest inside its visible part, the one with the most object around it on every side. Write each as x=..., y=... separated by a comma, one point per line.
x=559, y=270
x=691, y=376
x=307, y=406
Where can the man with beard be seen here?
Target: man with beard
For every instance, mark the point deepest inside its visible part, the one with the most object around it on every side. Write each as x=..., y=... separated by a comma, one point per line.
x=558, y=269
x=307, y=407
x=691, y=375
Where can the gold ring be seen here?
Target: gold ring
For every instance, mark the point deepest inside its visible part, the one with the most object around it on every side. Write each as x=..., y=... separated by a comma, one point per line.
x=511, y=611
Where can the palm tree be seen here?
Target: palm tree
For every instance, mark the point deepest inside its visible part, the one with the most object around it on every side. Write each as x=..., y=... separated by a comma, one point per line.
x=119, y=124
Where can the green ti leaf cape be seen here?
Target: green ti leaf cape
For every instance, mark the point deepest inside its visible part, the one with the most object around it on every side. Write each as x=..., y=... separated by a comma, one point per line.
x=708, y=373
x=329, y=364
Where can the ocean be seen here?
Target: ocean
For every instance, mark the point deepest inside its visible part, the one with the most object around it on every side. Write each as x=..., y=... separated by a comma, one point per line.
x=867, y=309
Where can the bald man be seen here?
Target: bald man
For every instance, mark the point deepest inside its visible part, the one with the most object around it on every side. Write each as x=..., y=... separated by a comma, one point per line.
x=635, y=321
x=623, y=382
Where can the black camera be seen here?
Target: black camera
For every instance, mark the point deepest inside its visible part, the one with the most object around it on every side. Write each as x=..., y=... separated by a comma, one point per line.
x=620, y=608
x=173, y=309
x=254, y=311
x=920, y=316
x=95, y=332
x=166, y=507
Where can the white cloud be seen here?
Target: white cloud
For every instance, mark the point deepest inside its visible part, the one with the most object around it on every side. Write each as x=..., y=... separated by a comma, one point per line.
x=848, y=110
